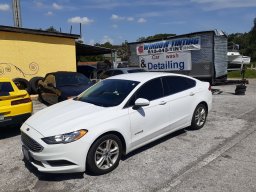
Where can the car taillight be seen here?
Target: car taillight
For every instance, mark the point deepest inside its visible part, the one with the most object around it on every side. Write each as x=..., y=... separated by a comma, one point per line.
x=210, y=88
x=21, y=101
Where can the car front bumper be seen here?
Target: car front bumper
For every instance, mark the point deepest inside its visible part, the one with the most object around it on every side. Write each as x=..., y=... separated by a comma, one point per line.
x=55, y=158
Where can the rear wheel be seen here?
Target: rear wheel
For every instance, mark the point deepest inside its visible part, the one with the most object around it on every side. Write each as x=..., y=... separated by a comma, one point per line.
x=34, y=84
x=22, y=84
x=199, y=117
x=104, y=155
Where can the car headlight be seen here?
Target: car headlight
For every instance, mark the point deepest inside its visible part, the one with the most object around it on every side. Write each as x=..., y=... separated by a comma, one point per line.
x=65, y=138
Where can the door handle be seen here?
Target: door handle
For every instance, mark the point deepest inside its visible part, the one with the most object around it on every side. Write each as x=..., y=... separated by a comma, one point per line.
x=191, y=94
x=162, y=103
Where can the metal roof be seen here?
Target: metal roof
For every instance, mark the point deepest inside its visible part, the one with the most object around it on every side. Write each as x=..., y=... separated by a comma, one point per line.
x=38, y=32
x=89, y=50
x=178, y=36
x=81, y=49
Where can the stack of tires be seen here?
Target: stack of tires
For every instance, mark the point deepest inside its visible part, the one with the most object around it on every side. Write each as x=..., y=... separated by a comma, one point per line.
x=240, y=89
x=30, y=86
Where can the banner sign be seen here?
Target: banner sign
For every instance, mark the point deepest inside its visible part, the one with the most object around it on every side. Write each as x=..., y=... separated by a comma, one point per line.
x=183, y=44
x=178, y=61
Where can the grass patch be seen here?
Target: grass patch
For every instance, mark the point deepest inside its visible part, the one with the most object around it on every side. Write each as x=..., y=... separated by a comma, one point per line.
x=249, y=73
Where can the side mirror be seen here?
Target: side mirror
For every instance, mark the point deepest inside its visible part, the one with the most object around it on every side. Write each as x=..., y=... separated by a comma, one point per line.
x=140, y=102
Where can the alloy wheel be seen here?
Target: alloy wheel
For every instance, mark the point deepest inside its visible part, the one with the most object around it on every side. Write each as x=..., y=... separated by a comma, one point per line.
x=106, y=154
x=200, y=116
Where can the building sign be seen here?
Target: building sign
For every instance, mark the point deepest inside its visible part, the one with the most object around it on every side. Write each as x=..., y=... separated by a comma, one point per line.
x=168, y=46
x=178, y=61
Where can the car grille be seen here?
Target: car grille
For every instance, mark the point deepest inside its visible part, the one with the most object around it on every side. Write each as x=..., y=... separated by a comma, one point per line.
x=31, y=143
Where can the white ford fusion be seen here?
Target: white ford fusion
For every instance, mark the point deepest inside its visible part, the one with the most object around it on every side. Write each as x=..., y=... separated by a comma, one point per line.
x=112, y=118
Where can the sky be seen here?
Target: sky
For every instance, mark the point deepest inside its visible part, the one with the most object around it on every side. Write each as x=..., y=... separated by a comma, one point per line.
x=116, y=21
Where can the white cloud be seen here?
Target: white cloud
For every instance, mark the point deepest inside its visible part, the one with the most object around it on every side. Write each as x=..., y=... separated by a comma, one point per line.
x=152, y=14
x=116, y=17
x=49, y=13
x=106, y=39
x=4, y=7
x=92, y=42
x=224, y=4
x=39, y=4
x=115, y=26
x=173, y=23
x=56, y=6
x=130, y=19
x=83, y=20
x=142, y=20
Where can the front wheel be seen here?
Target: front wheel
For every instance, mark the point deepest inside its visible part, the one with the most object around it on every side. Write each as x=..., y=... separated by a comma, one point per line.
x=199, y=117
x=104, y=155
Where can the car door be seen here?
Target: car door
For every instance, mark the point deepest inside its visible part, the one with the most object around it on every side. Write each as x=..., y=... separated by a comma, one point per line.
x=180, y=93
x=48, y=90
x=149, y=121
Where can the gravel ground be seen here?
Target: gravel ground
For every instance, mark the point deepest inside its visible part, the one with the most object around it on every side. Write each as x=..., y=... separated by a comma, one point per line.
x=168, y=164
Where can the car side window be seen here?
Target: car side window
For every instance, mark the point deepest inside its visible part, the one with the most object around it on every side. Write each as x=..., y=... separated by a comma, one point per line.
x=175, y=84
x=117, y=72
x=151, y=90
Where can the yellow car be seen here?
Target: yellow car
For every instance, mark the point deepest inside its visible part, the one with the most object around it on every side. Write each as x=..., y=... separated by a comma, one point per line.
x=15, y=105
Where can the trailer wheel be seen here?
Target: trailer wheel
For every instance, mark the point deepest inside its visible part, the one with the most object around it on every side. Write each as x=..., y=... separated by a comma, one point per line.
x=34, y=84
x=22, y=84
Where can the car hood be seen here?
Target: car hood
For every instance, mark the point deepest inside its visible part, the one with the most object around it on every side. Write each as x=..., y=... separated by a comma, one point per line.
x=73, y=90
x=67, y=116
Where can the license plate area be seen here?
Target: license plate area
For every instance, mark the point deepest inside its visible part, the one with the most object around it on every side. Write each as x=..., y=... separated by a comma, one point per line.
x=1, y=117
x=26, y=153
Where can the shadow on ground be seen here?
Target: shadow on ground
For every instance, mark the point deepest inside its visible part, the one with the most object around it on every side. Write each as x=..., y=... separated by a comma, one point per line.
x=9, y=131
x=69, y=176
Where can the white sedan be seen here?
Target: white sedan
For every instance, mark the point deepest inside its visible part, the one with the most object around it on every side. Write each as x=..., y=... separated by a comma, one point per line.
x=112, y=118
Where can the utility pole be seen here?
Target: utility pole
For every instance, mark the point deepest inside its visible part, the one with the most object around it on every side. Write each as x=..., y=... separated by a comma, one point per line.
x=16, y=13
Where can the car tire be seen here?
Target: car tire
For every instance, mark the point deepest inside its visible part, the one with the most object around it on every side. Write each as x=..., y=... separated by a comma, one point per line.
x=34, y=84
x=199, y=117
x=22, y=84
x=104, y=154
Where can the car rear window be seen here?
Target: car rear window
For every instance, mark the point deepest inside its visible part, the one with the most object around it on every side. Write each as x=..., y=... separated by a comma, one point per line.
x=6, y=87
x=63, y=79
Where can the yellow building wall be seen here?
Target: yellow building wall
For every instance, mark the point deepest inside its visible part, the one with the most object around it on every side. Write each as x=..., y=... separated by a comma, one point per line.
x=29, y=55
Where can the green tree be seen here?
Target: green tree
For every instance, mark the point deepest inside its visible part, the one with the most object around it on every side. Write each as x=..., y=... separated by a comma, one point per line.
x=246, y=42
x=52, y=29
x=156, y=37
x=123, y=51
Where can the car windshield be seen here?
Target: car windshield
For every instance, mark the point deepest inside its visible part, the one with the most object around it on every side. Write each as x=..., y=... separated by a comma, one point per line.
x=63, y=79
x=108, y=93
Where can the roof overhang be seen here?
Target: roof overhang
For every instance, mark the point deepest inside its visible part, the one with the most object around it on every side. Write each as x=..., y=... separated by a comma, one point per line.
x=89, y=50
x=38, y=32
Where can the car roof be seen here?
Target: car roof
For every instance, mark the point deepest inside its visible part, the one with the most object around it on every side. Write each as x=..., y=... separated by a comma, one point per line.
x=63, y=72
x=145, y=76
x=5, y=79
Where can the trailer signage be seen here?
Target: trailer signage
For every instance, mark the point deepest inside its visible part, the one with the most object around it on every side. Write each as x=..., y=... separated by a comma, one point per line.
x=167, y=46
x=178, y=61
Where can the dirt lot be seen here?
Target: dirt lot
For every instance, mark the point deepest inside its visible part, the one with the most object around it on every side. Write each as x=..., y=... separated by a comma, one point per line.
x=183, y=161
